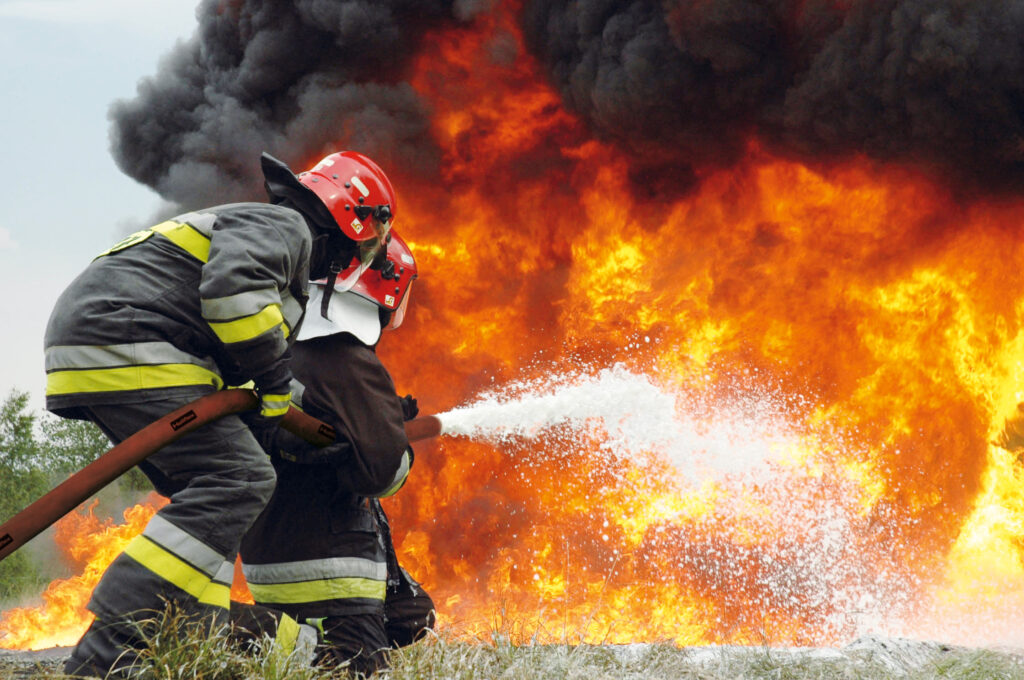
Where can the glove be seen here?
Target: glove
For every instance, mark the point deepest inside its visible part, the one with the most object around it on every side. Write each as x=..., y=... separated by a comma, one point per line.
x=265, y=430
x=409, y=407
x=294, y=449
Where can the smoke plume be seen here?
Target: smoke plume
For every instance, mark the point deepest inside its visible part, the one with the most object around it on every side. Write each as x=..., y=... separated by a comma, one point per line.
x=933, y=83
x=687, y=84
x=289, y=78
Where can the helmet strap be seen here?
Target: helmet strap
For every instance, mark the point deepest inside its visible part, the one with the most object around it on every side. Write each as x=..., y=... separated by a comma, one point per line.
x=320, y=256
x=325, y=299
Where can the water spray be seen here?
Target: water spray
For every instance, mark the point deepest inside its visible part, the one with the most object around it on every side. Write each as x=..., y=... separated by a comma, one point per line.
x=632, y=415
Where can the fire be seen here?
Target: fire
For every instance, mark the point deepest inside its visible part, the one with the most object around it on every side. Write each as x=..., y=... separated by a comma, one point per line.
x=88, y=544
x=878, y=311
x=872, y=318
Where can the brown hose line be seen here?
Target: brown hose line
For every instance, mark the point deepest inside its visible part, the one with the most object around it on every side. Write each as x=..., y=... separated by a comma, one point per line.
x=80, y=486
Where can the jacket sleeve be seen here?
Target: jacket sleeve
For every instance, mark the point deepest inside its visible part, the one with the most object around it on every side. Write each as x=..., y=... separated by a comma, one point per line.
x=256, y=254
x=345, y=385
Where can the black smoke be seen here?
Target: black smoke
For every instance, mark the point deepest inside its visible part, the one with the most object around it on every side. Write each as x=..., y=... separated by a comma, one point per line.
x=686, y=84
x=937, y=84
x=289, y=78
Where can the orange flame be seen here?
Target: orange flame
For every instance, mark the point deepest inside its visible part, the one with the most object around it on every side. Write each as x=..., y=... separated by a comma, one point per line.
x=878, y=313
x=876, y=318
x=89, y=545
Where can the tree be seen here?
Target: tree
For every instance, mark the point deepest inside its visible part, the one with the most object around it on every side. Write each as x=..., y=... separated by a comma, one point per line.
x=22, y=480
x=35, y=456
x=22, y=475
x=69, y=445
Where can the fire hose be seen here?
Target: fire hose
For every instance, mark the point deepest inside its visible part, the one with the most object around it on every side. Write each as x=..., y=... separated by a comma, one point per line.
x=77, y=488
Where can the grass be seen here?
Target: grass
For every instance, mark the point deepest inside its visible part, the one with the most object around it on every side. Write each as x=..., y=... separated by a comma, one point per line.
x=452, y=660
x=176, y=652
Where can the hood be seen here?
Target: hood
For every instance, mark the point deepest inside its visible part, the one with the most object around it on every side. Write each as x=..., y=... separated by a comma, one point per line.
x=281, y=184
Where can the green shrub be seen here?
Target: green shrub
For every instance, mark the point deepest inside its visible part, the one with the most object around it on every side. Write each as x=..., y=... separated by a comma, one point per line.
x=36, y=454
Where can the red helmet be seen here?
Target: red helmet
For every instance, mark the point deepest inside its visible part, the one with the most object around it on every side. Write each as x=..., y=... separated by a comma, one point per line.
x=356, y=192
x=361, y=200
x=389, y=286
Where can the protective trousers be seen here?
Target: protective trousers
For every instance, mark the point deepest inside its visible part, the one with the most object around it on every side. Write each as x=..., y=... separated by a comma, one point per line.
x=218, y=480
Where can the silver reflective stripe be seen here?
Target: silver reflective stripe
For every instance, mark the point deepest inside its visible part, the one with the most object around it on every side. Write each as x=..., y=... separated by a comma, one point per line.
x=313, y=570
x=62, y=357
x=239, y=305
x=226, y=573
x=201, y=222
x=273, y=405
x=298, y=389
x=399, y=479
x=291, y=310
x=184, y=545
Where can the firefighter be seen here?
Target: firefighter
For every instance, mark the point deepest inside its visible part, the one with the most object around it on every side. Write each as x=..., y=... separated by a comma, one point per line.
x=206, y=300
x=321, y=551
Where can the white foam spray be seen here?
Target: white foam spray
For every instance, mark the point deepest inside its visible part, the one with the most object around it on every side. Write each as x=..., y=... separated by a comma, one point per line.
x=628, y=406
x=634, y=416
x=824, y=557
x=739, y=437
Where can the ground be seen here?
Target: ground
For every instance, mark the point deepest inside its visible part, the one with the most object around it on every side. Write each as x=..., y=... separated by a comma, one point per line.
x=867, y=658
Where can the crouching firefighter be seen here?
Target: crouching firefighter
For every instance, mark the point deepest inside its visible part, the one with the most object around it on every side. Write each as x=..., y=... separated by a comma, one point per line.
x=321, y=551
x=208, y=299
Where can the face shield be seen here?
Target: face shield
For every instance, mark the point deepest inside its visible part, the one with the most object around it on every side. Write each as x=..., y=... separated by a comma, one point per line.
x=371, y=253
x=398, y=316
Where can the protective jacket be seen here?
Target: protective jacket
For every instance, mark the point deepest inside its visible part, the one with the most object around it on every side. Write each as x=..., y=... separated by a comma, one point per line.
x=170, y=313
x=319, y=548
x=205, y=299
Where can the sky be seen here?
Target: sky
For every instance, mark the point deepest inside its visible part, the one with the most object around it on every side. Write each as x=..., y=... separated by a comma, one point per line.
x=62, y=198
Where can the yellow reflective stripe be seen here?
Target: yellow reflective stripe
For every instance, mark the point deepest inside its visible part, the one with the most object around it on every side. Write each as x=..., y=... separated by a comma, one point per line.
x=273, y=412
x=316, y=591
x=173, y=569
x=273, y=405
x=130, y=378
x=249, y=327
x=185, y=237
x=127, y=242
x=393, y=489
x=287, y=634
x=399, y=480
x=216, y=595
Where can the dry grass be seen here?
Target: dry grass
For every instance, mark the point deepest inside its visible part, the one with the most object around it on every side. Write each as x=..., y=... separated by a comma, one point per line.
x=177, y=652
x=454, y=660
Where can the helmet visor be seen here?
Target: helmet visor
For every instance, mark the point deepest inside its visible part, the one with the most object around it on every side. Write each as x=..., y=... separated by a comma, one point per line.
x=371, y=254
x=398, y=316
